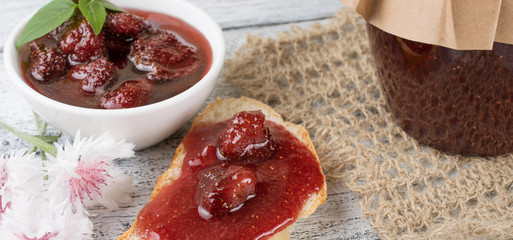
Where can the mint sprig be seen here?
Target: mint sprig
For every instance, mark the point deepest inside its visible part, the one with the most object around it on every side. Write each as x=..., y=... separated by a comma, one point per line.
x=57, y=12
x=94, y=12
x=46, y=19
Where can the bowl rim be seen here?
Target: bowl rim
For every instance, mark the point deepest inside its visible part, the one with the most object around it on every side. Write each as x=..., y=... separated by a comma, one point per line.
x=217, y=45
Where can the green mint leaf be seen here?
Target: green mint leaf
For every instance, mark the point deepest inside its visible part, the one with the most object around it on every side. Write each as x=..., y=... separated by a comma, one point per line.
x=94, y=12
x=108, y=5
x=46, y=19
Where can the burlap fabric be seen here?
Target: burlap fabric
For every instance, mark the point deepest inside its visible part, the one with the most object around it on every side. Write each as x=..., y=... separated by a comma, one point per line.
x=323, y=78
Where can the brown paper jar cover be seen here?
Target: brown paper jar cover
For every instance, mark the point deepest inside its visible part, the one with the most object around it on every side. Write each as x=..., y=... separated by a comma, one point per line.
x=457, y=24
x=439, y=91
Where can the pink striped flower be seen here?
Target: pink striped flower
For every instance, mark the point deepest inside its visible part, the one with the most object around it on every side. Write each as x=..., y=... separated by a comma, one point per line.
x=86, y=173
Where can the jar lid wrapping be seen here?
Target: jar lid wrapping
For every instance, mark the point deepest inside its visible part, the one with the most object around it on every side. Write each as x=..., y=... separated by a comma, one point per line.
x=458, y=24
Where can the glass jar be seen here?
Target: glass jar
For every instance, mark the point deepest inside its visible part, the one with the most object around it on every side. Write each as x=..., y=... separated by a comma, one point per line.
x=458, y=101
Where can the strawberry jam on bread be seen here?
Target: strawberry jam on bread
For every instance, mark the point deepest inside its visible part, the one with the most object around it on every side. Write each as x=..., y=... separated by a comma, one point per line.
x=240, y=173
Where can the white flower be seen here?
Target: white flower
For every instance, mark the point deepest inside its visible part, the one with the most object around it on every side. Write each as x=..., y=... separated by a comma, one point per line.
x=116, y=190
x=19, y=173
x=36, y=217
x=84, y=171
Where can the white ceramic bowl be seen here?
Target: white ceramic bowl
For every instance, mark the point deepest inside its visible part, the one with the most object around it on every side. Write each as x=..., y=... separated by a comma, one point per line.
x=145, y=125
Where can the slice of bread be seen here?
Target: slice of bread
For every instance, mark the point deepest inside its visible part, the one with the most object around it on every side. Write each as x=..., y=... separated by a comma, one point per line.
x=222, y=110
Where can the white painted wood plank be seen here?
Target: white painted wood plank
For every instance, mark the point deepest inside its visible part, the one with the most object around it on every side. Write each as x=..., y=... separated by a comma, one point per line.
x=237, y=13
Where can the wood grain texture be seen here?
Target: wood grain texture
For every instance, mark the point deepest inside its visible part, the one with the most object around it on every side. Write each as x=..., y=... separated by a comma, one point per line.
x=240, y=14
x=338, y=218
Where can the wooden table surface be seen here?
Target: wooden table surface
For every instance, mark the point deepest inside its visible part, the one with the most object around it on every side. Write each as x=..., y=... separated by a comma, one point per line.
x=338, y=218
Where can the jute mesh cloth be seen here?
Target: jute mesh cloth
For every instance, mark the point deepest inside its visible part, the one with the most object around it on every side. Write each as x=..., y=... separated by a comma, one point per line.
x=323, y=78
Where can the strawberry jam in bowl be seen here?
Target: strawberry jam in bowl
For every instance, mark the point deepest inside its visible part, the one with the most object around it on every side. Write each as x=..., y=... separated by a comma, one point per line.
x=140, y=77
x=138, y=58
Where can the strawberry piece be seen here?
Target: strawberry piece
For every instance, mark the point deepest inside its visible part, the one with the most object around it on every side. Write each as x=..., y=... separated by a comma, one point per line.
x=78, y=41
x=124, y=24
x=246, y=138
x=161, y=74
x=46, y=63
x=118, y=49
x=130, y=94
x=224, y=189
x=120, y=31
x=162, y=54
x=94, y=74
x=55, y=33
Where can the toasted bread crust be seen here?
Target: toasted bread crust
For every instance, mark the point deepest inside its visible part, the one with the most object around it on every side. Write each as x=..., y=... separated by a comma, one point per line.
x=221, y=110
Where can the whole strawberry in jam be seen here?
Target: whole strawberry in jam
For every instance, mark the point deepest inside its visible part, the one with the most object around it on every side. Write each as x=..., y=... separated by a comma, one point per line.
x=224, y=189
x=78, y=41
x=46, y=63
x=130, y=94
x=94, y=74
x=124, y=24
x=120, y=31
x=246, y=138
x=162, y=54
x=117, y=49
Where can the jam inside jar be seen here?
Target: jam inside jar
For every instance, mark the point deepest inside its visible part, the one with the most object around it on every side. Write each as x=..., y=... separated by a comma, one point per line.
x=457, y=101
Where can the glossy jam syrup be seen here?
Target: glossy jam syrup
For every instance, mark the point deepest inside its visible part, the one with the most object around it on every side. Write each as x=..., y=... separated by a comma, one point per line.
x=453, y=100
x=68, y=90
x=284, y=183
